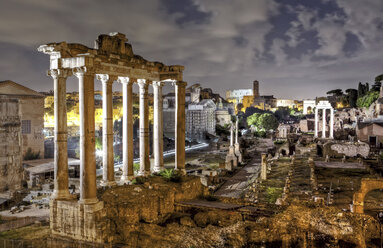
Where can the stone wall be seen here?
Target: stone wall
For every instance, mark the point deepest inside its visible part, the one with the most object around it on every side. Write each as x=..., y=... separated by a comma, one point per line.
x=11, y=170
x=32, y=109
x=349, y=149
x=120, y=209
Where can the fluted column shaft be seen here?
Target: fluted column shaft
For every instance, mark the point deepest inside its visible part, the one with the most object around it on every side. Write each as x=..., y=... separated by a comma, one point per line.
x=180, y=126
x=61, y=190
x=107, y=130
x=158, y=127
x=127, y=139
x=324, y=124
x=316, y=123
x=144, y=128
x=88, y=187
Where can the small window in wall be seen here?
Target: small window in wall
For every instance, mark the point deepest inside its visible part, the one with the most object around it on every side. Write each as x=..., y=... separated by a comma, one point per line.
x=26, y=126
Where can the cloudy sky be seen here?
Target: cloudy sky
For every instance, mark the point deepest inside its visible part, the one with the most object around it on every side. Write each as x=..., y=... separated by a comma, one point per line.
x=296, y=48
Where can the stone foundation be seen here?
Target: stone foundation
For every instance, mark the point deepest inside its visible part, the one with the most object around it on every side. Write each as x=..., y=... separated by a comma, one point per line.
x=78, y=221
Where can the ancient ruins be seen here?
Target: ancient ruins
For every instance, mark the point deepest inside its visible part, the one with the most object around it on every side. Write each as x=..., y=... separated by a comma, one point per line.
x=112, y=59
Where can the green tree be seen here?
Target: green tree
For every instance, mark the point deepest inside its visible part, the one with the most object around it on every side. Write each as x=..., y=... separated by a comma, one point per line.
x=252, y=120
x=352, y=95
x=268, y=122
x=368, y=99
x=337, y=92
x=379, y=78
x=264, y=121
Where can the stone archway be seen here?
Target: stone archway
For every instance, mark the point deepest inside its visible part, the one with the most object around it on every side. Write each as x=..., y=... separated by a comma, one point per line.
x=367, y=185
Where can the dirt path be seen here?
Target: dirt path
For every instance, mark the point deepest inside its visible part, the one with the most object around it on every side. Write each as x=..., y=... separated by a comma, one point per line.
x=237, y=184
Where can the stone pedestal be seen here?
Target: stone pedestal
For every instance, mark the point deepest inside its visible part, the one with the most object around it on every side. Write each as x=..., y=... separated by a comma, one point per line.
x=84, y=222
x=231, y=160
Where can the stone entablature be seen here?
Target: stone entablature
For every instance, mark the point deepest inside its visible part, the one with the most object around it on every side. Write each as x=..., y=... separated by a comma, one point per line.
x=112, y=55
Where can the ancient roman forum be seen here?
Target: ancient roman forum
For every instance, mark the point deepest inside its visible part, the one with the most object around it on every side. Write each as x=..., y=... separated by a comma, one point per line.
x=324, y=105
x=111, y=60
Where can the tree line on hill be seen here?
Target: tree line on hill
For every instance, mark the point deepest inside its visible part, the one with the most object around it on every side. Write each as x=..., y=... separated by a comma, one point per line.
x=363, y=96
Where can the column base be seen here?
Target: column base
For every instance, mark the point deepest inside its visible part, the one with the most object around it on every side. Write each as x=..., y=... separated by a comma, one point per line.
x=126, y=179
x=182, y=171
x=143, y=173
x=331, y=137
x=108, y=183
x=88, y=201
x=158, y=169
x=61, y=195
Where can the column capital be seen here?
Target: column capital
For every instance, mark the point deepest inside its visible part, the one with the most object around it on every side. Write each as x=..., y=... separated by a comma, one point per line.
x=56, y=73
x=142, y=83
x=82, y=71
x=158, y=83
x=125, y=80
x=105, y=78
x=179, y=83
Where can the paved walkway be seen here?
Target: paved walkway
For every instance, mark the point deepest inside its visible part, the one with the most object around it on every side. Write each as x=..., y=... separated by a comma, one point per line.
x=234, y=187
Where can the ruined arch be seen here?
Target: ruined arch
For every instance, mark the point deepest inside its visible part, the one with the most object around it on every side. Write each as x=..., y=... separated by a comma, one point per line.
x=367, y=185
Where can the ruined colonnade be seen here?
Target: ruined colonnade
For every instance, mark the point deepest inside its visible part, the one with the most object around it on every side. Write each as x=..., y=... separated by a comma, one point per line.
x=103, y=63
x=324, y=105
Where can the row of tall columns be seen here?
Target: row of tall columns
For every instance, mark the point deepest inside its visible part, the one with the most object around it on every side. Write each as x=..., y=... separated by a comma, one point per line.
x=331, y=128
x=88, y=187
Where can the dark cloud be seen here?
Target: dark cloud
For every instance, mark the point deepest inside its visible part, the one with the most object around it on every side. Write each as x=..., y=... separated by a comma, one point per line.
x=296, y=49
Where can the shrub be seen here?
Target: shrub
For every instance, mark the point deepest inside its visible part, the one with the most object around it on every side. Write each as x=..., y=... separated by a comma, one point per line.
x=171, y=175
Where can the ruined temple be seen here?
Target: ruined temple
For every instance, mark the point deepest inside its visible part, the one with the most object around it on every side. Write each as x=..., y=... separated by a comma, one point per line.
x=112, y=59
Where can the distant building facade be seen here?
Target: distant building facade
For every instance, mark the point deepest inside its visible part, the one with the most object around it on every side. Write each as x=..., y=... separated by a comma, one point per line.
x=200, y=119
x=11, y=170
x=31, y=108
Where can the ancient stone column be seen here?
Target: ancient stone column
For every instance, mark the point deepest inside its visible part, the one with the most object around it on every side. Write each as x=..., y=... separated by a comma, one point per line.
x=61, y=191
x=316, y=123
x=331, y=123
x=127, y=129
x=264, y=166
x=180, y=126
x=158, y=127
x=107, y=130
x=88, y=187
x=144, y=128
x=324, y=124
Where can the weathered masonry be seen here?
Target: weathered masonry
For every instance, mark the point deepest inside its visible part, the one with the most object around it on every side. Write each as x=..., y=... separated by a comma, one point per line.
x=111, y=60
